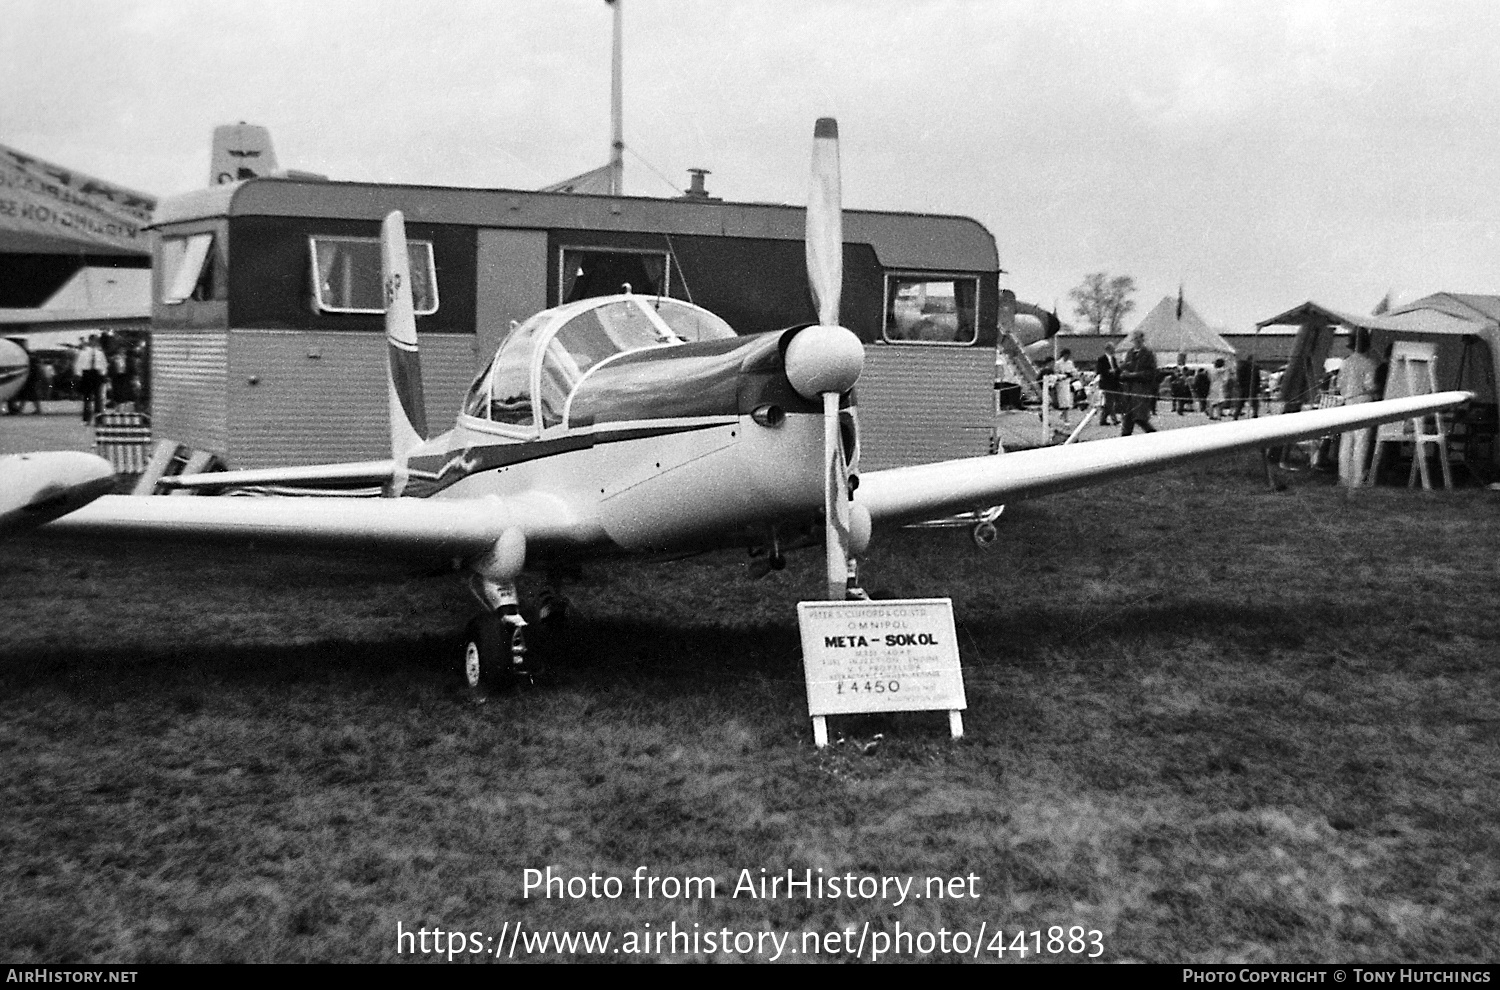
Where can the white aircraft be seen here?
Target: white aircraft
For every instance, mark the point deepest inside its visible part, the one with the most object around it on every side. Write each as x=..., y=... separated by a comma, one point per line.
x=38, y=488
x=15, y=367
x=639, y=424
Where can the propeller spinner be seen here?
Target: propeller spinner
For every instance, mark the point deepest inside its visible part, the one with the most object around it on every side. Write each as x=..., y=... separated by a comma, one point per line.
x=825, y=360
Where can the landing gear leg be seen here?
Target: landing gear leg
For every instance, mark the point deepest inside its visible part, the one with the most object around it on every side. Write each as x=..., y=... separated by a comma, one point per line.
x=852, y=591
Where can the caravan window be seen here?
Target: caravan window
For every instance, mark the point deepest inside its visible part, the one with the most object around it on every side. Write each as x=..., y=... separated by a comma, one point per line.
x=922, y=309
x=346, y=275
x=589, y=272
x=187, y=268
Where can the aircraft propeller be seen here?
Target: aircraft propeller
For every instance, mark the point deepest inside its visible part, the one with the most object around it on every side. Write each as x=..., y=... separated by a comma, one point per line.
x=826, y=360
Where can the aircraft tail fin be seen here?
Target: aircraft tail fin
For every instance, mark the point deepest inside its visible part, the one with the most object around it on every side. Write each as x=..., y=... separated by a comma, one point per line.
x=408, y=408
x=241, y=151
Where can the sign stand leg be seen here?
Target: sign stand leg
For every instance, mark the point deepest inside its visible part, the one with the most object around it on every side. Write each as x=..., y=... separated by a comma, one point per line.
x=820, y=731
x=956, y=723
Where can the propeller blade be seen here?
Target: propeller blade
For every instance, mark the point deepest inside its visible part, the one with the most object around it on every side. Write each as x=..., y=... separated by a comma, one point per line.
x=826, y=359
x=825, y=224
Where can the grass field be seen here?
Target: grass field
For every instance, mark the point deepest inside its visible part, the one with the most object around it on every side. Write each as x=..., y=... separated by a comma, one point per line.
x=1208, y=721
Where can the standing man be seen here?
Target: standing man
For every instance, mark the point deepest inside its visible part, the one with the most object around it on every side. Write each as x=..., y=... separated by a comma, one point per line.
x=38, y=382
x=1247, y=380
x=1200, y=388
x=88, y=371
x=1218, y=380
x=1138, y=383
x=1066, y=371
x=1109, y=383
x=1358, y=383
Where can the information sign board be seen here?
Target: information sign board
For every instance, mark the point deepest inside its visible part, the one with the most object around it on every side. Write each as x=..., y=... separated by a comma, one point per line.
x=880, y=656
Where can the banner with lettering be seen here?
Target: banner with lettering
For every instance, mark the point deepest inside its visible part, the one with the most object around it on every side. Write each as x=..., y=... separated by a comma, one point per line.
x=51, y=209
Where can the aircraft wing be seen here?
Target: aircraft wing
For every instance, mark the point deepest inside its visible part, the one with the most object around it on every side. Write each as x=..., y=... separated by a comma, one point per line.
x=412, y=528
x=352, y=473
x=927, y=490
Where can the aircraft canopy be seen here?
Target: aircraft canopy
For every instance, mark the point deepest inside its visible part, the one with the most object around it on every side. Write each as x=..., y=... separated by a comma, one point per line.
x=542, y=361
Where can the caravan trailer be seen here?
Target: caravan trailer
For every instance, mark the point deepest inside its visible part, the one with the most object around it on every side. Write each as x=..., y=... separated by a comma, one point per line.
x=266, y=308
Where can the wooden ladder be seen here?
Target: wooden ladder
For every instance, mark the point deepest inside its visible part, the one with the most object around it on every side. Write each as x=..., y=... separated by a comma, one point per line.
x=1423, y=436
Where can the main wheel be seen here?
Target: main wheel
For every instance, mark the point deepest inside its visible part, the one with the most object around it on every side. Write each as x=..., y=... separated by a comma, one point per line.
x=487, y=656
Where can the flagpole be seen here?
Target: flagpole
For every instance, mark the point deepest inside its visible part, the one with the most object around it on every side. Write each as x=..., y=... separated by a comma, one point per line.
x=616, y=109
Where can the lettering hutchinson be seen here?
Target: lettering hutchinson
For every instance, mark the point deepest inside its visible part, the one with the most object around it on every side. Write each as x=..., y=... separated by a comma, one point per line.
x=762, y=884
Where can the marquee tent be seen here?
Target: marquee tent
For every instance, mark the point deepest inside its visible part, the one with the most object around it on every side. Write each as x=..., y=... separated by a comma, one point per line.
x=1173, y=327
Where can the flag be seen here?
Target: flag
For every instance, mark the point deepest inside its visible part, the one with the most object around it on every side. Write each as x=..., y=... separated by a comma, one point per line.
x=1179, y=302
x=1383, y=306
x=1053, y=324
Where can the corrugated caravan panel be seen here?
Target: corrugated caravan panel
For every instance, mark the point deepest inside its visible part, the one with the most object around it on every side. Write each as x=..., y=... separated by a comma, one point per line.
x=188, y=371
x=923, y=404
x=298, y=397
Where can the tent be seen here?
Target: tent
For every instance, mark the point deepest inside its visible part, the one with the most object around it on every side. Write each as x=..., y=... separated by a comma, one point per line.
x=1174, y=328
x=1464, y=328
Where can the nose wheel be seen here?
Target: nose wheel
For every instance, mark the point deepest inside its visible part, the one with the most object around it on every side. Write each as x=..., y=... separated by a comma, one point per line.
x=494, y=654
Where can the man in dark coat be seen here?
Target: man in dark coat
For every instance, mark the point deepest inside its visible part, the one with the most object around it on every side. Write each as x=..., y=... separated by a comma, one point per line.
x=1247, y=376
x=1108, y=368
x=1138, y=382
x=1200, y=389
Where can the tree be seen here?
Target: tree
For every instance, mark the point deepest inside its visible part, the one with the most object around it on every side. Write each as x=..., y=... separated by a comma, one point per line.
x=1102, y=302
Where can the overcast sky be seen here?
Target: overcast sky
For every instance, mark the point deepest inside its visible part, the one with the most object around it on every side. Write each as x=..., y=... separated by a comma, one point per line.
x=1259, y=153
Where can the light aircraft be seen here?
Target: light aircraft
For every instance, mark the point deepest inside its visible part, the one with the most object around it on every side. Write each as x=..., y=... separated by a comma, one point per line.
x=38, y=488
x=636, y=424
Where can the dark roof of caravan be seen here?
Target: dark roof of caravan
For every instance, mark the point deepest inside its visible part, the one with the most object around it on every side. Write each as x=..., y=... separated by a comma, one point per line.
x=901, y=240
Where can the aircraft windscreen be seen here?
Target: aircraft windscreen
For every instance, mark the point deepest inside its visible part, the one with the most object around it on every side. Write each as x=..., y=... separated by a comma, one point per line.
x=588, y=338
x=691, y=323
x=602, y=331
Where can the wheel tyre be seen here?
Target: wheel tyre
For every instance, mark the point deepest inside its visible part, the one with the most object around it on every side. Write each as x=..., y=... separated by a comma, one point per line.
x=552, y=613
x=486, y=656
x=985, y=535
x=519, y=661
